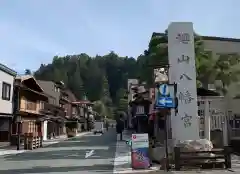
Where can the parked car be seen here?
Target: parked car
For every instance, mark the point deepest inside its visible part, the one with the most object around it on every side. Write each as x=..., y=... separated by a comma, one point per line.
x=98, y=127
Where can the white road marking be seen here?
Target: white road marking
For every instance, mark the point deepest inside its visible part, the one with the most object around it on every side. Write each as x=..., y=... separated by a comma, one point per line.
x=88, y=154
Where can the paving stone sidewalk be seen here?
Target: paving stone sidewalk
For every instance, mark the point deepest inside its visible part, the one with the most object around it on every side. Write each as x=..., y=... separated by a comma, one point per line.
x=122, y=162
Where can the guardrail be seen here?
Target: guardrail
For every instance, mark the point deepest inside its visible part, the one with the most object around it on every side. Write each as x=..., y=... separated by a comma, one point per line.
x=216, y=158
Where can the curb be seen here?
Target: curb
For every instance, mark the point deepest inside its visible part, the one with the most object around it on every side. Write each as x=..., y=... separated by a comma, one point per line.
x=138, y=171
x=64, y=139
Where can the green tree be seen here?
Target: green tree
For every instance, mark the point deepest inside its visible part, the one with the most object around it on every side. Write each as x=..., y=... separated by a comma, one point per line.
x=100, y=108
x=227, y=70
x=106, y=98
x=28, y=72
x=105, y=77
x=123, y=104
x=105, y=92
x=93, y=80
x=209, y=68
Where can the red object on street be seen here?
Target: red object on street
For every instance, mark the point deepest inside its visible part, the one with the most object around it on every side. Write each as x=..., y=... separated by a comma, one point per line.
x=152, y=116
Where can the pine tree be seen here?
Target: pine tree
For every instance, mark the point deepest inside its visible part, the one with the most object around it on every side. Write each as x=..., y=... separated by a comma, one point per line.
x=76, y=84
x=106, y=99
x=28, y=72
x=105, y=92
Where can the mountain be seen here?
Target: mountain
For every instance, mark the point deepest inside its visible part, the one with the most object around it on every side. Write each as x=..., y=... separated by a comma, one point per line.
x=104, y=78
x=99, y=78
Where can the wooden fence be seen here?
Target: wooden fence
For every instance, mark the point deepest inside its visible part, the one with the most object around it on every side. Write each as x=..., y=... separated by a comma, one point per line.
x=216, y=158
x=32, y=142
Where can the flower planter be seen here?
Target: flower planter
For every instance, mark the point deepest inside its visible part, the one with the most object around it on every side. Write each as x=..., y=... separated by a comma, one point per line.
x=71, y=133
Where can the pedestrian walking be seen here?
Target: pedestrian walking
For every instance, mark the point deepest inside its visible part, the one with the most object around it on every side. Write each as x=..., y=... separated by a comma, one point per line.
x=120, y=127
x=107, y=125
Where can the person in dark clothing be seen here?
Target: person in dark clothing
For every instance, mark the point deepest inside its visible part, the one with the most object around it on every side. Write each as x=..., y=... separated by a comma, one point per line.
x=120, y=127
x=107, y=125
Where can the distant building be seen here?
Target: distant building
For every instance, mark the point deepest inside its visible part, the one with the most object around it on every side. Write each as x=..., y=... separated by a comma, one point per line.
x=54, y=124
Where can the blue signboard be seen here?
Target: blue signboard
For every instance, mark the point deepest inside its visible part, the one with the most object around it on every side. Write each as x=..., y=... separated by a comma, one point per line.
x=164, y=90
x=165, y=102
x=166, y=95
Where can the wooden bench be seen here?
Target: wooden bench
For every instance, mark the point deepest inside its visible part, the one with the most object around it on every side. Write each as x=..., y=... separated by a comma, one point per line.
x=202, y=159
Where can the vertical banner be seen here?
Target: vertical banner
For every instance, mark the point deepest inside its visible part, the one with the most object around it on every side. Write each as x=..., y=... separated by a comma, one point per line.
x=140, y=151
x=185, y=124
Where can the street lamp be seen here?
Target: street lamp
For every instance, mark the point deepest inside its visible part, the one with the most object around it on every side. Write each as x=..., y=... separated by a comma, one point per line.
x=16, y=116
x=18, y=121
x=160, y=76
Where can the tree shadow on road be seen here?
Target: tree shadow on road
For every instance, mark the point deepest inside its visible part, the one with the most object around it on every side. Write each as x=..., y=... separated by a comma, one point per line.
x=104, y=148
x=109, y=138
x=62, y=154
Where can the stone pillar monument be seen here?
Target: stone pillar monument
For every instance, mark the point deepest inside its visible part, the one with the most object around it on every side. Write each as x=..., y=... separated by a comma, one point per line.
x=181, y=54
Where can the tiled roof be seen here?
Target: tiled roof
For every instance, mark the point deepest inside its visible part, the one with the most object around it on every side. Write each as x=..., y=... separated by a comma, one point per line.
x=26, y=77
x=7, y=70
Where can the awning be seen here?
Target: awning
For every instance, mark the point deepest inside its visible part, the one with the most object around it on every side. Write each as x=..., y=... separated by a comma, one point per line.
x=6, y=115
x=51, y=118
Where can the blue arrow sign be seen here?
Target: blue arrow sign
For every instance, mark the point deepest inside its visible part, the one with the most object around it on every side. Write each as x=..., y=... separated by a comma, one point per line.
x=163, y=89
x=165, y=102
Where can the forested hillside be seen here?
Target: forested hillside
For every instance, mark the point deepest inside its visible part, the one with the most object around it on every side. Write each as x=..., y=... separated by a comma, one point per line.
x=100, y=78
x=103, y=79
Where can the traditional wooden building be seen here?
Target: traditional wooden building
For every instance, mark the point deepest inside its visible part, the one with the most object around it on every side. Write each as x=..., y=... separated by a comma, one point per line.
x=62, y=104
x=29, y=99
x=54, y=119
x=86, y=114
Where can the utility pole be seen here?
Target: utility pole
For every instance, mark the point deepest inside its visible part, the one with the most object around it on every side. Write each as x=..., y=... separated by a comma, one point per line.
x=160, y=76
x=16, y=116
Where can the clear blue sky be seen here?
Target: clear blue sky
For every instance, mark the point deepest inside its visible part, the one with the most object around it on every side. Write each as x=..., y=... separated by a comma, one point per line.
x=33, y=31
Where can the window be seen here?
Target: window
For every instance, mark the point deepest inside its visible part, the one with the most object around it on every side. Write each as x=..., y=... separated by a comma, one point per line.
x=201, y=120
x=41, y=105
x=140, y=110
x=201, y=133
x=30, y=127
x=6, y=91
x=200, y=113
x=56, y=89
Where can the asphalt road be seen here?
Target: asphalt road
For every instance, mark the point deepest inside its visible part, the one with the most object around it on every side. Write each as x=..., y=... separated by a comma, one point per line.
x=66, y=157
